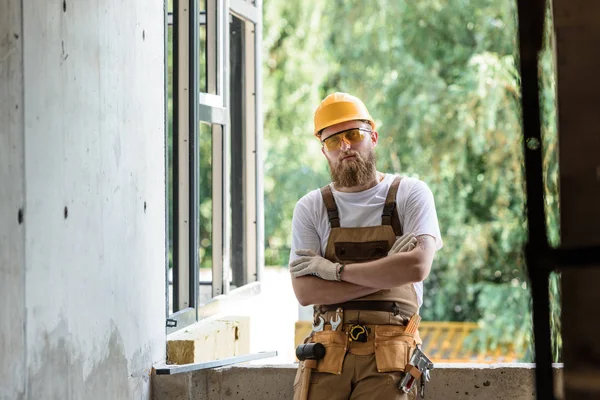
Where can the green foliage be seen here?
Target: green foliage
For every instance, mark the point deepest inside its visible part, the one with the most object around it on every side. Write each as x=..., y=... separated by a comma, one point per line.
x=441, y=79
x=504, y=317
x=295, y=66
x=551, y=171
x=205, y=210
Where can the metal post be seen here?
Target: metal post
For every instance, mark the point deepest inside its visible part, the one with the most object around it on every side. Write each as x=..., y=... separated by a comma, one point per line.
x=260, y=233
x=193, y=153
x=226, y=149
x=166, y=147
x=531, y=23
x=180, y=150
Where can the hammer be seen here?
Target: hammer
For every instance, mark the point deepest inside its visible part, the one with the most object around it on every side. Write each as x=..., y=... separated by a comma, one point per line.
x=309, y=353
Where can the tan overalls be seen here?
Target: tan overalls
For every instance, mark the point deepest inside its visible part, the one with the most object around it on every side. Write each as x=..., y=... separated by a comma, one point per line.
x=353, y=369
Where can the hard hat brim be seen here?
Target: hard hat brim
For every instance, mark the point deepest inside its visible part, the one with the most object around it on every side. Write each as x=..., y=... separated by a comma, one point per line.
x=344, y=119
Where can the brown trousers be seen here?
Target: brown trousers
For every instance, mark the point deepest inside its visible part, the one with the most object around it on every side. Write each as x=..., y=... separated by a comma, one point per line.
x=359, y=380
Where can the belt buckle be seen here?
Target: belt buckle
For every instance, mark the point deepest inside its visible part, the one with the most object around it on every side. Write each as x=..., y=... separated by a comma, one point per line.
x=358, y=333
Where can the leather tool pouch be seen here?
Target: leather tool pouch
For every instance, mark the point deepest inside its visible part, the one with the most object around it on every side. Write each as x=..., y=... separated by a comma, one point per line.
x=336, y=344
x=393, y=348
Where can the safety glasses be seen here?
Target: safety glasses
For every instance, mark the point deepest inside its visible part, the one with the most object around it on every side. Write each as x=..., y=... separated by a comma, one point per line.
x=350, y=136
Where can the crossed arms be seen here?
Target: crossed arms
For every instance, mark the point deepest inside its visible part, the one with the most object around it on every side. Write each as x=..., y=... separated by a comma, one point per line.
x=362, y=279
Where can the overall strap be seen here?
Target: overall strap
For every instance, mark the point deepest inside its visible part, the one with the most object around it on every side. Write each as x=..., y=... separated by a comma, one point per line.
x=390, y=212
x=332, y=211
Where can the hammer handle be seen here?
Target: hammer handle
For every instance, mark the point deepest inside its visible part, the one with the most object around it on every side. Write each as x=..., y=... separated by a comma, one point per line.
x=305, y=383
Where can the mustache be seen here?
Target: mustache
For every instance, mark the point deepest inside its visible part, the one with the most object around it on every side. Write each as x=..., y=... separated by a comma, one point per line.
x=350, y=154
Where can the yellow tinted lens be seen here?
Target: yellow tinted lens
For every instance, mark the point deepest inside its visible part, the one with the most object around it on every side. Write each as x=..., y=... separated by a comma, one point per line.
x=351, y=136
x=333, y=143
x=354, y=136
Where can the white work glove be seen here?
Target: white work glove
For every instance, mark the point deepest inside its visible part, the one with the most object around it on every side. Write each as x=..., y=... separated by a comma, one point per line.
x=404, y=243
x=310, y=263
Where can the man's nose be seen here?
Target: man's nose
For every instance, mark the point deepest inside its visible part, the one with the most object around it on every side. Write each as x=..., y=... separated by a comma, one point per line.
x=345, y=144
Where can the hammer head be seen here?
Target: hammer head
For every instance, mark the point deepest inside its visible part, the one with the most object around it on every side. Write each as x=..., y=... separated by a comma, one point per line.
x=310, y=351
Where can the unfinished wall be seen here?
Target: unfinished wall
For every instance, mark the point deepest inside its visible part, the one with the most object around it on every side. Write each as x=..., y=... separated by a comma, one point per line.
x=83, y=157
x=12, y=232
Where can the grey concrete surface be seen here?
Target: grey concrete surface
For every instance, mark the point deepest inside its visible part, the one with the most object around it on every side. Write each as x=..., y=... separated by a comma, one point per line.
x=12, y=193
x=81, y=155
x=449, y=381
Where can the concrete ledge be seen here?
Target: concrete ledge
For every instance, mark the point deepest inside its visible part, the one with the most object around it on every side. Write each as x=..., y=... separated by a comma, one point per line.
x=449, y=381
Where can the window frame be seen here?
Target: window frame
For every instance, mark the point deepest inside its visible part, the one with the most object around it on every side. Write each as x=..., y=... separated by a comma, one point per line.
x=192, y=107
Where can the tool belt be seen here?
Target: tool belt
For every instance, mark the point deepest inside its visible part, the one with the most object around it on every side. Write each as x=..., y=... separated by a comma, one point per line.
x=392, y=345
x=371, y=305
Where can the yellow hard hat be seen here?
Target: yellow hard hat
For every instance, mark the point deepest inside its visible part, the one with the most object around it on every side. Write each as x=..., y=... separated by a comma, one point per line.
x=340, y=107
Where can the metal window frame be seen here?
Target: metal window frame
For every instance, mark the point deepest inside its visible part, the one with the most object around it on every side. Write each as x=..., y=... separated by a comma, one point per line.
x=226, y=152
x=181, y=191
x=258, y=140
x=193, y=161
x=184, y=121
x=213, y=109
x=250, y=145
x=167, y=21
x=246, y=11
x=251, y=226
x=192, y=107
x=238, y=141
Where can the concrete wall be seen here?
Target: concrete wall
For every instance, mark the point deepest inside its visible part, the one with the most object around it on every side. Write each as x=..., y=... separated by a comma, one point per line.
x=448, y=382
x=82, y=281
x=12, y=192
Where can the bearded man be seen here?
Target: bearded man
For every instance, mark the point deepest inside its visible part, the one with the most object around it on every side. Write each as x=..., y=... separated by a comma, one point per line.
x=361, y=248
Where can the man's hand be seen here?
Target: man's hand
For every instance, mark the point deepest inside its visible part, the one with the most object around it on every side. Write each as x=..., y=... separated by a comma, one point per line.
x=310, y=263
x=403, y=244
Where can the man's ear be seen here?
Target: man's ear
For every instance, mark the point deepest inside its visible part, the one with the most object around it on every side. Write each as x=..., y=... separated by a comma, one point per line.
x=374, y=138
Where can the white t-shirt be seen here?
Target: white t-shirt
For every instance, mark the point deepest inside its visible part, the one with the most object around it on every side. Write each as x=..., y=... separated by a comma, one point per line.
x=414, y=202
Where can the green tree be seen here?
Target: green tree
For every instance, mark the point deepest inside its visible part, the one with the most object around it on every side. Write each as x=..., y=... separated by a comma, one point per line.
x=442, y=82
x=295, y=66
x=448, y=106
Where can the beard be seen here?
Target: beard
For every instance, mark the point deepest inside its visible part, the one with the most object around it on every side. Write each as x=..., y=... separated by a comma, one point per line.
x=355, y=172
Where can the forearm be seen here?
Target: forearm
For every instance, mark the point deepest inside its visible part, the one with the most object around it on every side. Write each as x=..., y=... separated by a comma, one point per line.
x=394, y=270
x=388, y=272
x=312, y=290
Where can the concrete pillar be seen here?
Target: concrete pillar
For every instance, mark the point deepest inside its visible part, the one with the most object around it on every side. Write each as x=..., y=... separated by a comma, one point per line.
x=577, y=26
x=12, y=196
x=82, y=198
